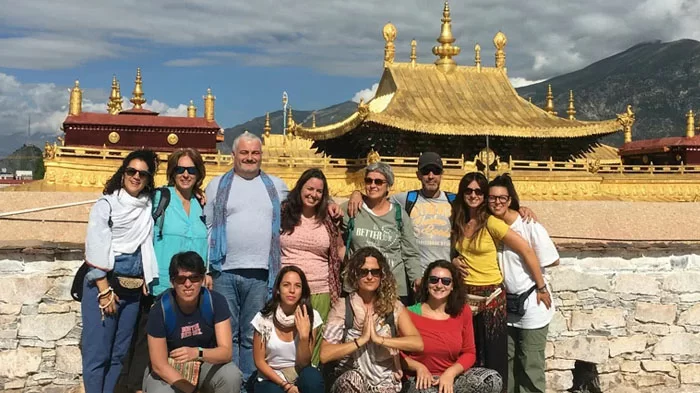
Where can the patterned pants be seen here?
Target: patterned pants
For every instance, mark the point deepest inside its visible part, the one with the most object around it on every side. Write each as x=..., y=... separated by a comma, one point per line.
x=474, y=380
x=353, y=381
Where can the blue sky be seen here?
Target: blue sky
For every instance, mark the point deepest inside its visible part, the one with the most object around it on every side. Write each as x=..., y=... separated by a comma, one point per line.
x=320, y=52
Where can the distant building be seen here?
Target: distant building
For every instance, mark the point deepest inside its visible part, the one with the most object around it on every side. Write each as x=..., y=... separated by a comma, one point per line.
x=24, y=175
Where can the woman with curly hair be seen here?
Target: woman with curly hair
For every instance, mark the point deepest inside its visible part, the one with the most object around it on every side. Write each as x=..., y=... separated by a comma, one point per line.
x=445, y=324
x=119, y=251
x=476, y=236
x=285, y=332
x=366, y=329
x=311, y=240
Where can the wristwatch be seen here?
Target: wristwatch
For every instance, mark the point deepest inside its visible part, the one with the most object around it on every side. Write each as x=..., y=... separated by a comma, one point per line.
x=542, y=290
x=200, y=357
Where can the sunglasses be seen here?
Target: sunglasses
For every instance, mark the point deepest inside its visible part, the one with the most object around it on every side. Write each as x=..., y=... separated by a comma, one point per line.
x=373, y=272
x=476, y=191
x=192, y=170
x=446, y=281
x=436, y=171
x=378, y=182
x=195, y=278
x=131, y=172
x=499, y=198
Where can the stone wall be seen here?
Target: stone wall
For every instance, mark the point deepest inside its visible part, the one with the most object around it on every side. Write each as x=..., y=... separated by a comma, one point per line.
x=637, y=318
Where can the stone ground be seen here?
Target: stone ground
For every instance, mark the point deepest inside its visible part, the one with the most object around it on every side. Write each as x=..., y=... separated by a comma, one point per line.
x=565, y=221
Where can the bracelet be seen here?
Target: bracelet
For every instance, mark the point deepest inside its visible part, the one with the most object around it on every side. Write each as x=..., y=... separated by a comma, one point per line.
x=356, y=343
x=288, y=387
x=105, y=292
x=543, y=289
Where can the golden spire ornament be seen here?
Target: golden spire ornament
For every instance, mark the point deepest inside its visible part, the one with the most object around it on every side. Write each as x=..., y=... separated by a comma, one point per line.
x=477, y=56
x=267, y=128
x=549, y=105
x=114, y=106
x=313, y=119
x=499, y=41
x=137, y=95
x=75, y=102
x=690, y=124
x=191, y=109
x=290, y=123
x=209, y=105
x=571, y=110
x=414, y=55
x=446, y=51
x=389, y=33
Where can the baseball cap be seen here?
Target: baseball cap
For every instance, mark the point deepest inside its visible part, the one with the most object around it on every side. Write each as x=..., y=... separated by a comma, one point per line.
x=429, y=158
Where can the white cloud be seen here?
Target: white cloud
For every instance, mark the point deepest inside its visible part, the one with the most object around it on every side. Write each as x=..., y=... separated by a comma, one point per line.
x=520, y=82
x=190, y=62
x=366, y=94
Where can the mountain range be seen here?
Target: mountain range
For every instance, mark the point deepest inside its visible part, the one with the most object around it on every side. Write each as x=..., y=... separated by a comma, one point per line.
x=661, y=80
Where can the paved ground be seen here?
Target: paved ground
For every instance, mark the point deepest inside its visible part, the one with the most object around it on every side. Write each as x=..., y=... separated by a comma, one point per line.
x=587, y=219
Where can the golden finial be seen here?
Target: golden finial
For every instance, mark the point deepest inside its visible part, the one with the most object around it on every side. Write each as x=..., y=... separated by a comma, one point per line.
x=414, y=55
x=137, y=95
x=114, y=106
x=549, y=105
x=627, y=120
x=499, y=41
x=313, y=119
x=529, y=99
x=690, y=125
x=389, y=33
x=75, y=103
x=477, y=56
x=209, y=105
x=290, y=123
x=571, y=110
x=445, y=51
x=267, y=128
x=191, y=109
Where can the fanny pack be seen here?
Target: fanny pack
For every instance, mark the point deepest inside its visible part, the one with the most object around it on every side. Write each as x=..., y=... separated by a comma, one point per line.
x=125, y=286
x=478, y=303
x=515, y=304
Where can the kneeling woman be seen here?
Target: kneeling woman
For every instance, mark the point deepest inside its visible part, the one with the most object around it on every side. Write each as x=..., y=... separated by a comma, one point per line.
x=445, y=323
x=285, y=332
x=365, y=330
x=189, y=335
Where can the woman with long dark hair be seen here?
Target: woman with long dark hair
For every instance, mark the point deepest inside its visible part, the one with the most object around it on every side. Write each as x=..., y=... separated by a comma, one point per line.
x=285, y=332
x=527, y=326
x=445, y=324
x=119, y=251
x=367, y=329
x=475, y=235
x=311, y=240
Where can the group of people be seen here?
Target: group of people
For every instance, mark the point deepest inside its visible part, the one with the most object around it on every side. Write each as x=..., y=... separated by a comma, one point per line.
x=249, y=286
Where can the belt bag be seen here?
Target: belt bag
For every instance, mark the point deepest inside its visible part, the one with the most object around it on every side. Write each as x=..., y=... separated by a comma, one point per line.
x=125, y=286
x=515, y=304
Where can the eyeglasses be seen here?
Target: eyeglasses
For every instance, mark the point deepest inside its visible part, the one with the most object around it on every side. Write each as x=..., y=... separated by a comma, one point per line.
x=436, y=171
x=373, y=272
x=195, y=278
x=131, y=172
x=499, y=198
x=476, y=191
x=192, y=170
x=446, y=281
x=378, y=182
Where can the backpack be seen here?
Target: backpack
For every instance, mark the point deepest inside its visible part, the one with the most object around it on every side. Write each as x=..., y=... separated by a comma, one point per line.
x=159, y=210
x=206, y=307
x=412, y=197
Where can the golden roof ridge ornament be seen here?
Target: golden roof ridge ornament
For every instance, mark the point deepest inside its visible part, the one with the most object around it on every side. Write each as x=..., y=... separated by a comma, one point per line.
x=191, y=109
x=209, y=105
x=389, y=33
x=499, y=41
x=690, y=124
x=477, y=57
x=290, y=123
x=549, y=105
x=267, y=128
x=571, y=110
x=446, y=51
x=114, y=106
x=137, y=95
x=75, y=102
x=626, y=120
x=313, y=119
x=414, y=56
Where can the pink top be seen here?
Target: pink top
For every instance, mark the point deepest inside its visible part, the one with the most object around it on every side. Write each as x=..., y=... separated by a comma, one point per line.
x=308, y=247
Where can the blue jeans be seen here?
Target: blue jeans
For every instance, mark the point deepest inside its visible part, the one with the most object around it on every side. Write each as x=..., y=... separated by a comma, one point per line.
x=246, y=293
x=309, y=381
x=105, y=343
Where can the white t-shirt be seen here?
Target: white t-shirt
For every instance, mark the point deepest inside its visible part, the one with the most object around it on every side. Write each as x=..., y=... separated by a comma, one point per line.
x=516, y=278
x=279, y=354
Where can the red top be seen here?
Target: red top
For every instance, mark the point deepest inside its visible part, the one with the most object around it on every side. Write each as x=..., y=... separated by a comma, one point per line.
x=445, y=342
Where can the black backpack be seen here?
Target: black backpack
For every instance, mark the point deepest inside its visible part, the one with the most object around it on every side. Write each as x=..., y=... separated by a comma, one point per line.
x=412, y=197
x=159, y=210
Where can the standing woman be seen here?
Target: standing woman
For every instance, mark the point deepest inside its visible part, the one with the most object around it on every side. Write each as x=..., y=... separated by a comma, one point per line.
x=475, y=235
x=285, y=332
x=527, y=333
x=119, y=251
x=311, y=240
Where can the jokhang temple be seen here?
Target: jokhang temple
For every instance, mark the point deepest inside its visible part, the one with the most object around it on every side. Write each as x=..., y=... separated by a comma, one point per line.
x=470, y=114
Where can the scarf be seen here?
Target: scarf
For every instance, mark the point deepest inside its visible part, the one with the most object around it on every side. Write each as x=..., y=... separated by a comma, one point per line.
x=132, y=227
x=286, y=321
x=217, y=240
